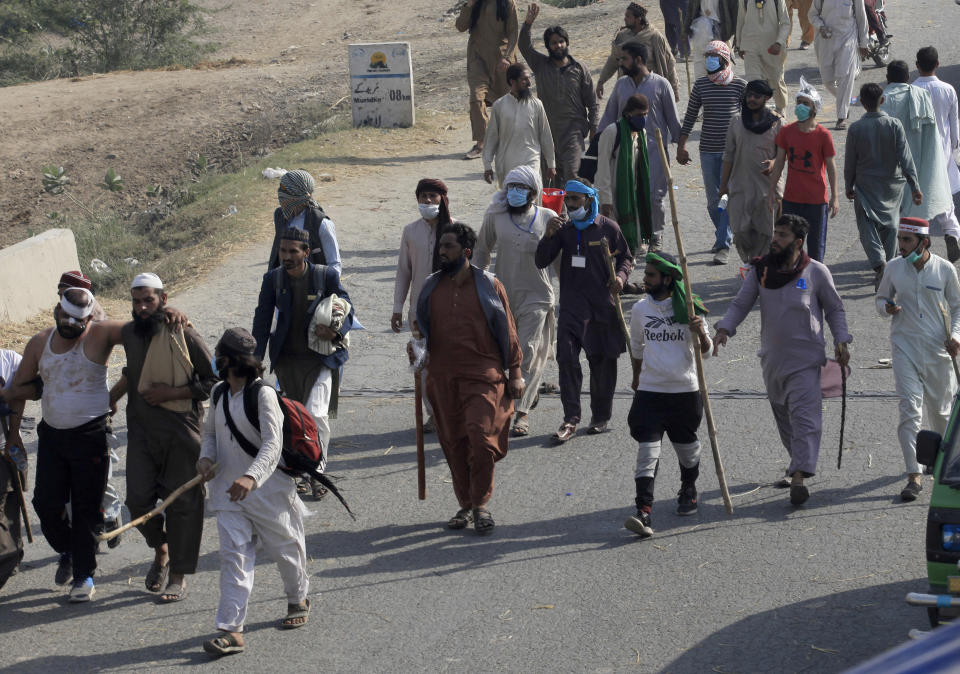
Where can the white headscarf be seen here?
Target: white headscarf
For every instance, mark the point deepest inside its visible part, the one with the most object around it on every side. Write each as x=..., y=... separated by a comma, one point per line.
x=807, y=90
x=524, y=175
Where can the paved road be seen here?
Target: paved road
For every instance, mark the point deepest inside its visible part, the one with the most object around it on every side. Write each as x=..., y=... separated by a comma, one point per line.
x=560, y=586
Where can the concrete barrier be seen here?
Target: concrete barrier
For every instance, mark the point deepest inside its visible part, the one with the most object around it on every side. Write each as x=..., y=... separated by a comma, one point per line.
x=30, y=270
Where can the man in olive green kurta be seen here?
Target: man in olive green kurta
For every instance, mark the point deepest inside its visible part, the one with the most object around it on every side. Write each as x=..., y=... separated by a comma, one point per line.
x=494, y=27
x=638, y=30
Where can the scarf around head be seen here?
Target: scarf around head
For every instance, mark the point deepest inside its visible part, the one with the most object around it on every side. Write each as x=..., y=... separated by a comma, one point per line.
x=580, y=188
x=679, y=294
x=772, y=278
x=438, y=186
x=296, y=193
x=633, y=187
x=724, y=76
x=523, y=175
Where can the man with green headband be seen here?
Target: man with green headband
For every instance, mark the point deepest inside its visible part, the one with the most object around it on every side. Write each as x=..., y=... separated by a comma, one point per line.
x=667, y=398
x=588, y=319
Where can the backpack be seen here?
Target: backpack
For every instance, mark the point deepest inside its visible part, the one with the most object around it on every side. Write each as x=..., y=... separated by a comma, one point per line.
x=302, y=454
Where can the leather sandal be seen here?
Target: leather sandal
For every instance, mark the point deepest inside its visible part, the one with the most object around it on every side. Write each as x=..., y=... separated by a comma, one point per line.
x=483, y=521
x=564, y=433
x=461, y=520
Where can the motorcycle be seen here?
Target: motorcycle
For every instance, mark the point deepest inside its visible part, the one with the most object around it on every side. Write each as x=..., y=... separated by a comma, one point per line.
x=880, y=51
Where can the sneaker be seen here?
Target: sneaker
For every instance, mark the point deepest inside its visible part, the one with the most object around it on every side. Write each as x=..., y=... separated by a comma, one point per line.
x=953, y=248
x=656, y=243
x=687, y=501
x=475, y=153
x=720, y=257
x=804, y=45
x=112, y=525
x=64, y=569
x=640, y=524
x=911, y=491
x=82, y=590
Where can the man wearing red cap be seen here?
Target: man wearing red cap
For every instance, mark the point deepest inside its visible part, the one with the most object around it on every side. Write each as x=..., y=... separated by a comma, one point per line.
x=920, y=291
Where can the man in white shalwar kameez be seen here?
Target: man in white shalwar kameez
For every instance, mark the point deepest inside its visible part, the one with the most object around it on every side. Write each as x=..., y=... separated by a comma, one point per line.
x=514, y=225
x=841, y=38
x=254, y=503
x=916, y=289
x=944, y=99
x=913, y=106
x=518, y=132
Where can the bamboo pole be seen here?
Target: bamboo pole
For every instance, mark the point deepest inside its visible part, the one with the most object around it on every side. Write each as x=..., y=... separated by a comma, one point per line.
x=616, y=298
x=701, y=377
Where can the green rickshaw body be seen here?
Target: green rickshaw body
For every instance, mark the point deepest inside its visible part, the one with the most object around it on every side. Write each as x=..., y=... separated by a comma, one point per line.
x=943, y=518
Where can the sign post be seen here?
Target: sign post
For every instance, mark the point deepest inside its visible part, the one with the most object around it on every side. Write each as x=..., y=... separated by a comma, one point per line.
x=381, y=84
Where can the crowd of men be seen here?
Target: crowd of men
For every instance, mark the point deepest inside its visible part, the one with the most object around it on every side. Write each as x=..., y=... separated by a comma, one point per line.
x=482, y=341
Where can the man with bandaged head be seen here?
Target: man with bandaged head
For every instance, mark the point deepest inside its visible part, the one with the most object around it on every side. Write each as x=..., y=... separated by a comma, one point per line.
x=72, y=453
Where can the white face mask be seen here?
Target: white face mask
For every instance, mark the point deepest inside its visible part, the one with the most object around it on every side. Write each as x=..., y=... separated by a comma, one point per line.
x=579, y=214
x=429, y=211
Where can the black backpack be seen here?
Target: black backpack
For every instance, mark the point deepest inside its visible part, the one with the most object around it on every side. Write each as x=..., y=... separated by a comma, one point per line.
x=302, y=452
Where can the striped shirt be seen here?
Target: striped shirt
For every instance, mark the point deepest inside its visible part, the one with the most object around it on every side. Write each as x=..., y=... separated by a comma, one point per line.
x=720, y=103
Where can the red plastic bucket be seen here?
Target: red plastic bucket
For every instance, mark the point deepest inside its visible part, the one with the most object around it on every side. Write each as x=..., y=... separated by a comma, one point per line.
x=553, y=199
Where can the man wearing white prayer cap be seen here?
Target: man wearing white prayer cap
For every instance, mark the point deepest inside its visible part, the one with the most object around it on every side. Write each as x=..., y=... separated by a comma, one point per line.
x=72, y=453
x=169, y=373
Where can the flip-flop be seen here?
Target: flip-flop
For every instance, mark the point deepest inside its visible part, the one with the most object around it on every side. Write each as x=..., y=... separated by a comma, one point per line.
x=295, y=611
x=156, y=576
x=174, y=593
x=225, y=645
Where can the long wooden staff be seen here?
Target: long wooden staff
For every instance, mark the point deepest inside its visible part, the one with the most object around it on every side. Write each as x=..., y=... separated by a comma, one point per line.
x=16, y=480
x=421, y=460
x=701, y=377
x=946, y=326
x=174, y=495
x=616, y=299
x=843, y=412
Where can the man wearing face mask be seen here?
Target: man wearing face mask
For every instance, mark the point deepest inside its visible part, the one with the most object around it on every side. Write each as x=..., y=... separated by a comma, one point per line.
x=806, y=149
x=623, y=175
x=661, y=113
x=419, y=257
x=840, y=43
x=748, y=156
x=565, y=88
x=916, y=289
x=513, y=225
x=474, y=360
x=637, y=30
x=167, y=377
x=518, y=132
x=72, y=453
x=705, y=21
x=588, y=319
x=796, y=295
x=298, y=209
x=719, y=93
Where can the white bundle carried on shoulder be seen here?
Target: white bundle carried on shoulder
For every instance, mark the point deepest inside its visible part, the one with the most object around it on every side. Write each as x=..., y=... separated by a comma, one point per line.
x=274, y=173
x=332, y=312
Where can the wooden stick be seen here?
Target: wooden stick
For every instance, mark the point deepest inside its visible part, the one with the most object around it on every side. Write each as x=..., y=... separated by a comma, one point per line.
x=616, y=298
x=686, y=57
x=16, y=478
x=421, y=460
x=174, y=495
x=701, y=377
x=843, y=412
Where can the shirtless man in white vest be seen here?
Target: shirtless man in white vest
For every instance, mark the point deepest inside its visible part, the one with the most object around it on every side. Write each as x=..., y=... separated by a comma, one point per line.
x=72, y=453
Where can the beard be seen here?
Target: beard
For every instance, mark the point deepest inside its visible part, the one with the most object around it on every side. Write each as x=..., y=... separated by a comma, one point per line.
x=523, y=94
x=149, y=326
x=632, y=71
x=781, y=257
x=559, y=54
x=69, y=331
x=518, y=210
x=451, y=267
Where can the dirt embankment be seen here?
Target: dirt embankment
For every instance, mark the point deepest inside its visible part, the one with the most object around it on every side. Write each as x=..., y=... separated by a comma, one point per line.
x=281, y=68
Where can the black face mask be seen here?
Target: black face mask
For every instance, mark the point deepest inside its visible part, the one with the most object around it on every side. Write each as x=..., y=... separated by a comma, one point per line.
x=222, y=363
x=637, y=122
x=451, y=267
x=149, y=326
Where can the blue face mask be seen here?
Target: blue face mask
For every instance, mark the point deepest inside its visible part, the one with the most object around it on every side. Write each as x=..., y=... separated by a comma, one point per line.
x=638, y=122
x=802, y=112
x=712, y=63
x=517, y=196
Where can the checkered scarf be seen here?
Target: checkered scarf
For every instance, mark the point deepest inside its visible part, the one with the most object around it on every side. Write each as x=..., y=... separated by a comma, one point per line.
x=296, y=193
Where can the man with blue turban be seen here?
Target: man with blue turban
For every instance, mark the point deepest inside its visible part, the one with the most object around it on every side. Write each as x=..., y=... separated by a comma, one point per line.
x=588, y=318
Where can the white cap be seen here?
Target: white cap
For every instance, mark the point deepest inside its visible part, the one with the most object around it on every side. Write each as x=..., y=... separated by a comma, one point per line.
x=147, y=280
x=73, y=310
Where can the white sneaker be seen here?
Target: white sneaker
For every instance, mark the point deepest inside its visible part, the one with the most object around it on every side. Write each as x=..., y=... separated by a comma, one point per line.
x=82, y=591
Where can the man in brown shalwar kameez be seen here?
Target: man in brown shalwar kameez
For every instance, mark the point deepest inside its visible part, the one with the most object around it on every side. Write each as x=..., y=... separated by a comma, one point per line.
x=474, y=376
x=494, y=27
x=168, y=375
